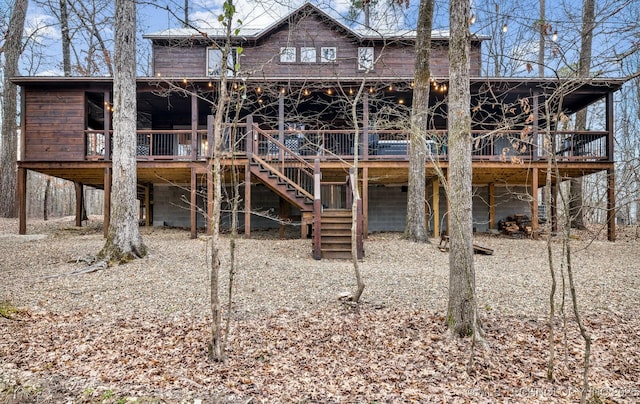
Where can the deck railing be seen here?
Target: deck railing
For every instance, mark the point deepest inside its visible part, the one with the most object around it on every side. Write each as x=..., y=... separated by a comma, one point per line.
x=374, y=145
x=168, y=144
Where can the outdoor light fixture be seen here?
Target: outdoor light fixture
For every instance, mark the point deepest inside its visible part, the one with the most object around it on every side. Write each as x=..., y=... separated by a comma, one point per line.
x=505, y=28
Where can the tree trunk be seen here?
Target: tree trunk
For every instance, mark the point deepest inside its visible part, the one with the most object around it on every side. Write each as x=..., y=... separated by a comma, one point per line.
x=124, y=242
x=576, y=197
x=462, y=317
x=9, y=135
x=416, y=228
x=65, y=38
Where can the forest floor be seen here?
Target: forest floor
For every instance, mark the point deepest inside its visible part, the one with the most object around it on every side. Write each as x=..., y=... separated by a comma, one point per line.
x=138, y=332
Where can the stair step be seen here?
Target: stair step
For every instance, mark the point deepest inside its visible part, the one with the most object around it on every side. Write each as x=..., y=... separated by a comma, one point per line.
x=336, y=213
x=336, y=254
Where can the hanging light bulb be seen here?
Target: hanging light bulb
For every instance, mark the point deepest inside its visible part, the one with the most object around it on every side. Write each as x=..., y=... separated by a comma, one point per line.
x=472, y=20
x=505, y=28
x=554, y=37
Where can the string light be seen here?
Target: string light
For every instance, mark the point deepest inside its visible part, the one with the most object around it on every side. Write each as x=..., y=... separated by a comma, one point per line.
x=184, y=80
x=329, y=91
x=210, y=84
x=371, y=90
x=554, y=37
x=401, y=101
x=306, y=92
x=505, y=28
x=390, y=88
x=472, y=20
x=259, y=90
x=351, y=91
x=283, y=90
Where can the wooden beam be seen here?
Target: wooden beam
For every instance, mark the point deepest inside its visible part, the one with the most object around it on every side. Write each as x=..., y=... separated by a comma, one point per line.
x=610, y=127
x=79, y=203
x=147, y=205
x=192, y=203
x=534, y=202
x=107, y=201
x=22, y=200
x=247, y=199
x=435, y=200
x=611, y=205
x=492, y=205
x=365, y=201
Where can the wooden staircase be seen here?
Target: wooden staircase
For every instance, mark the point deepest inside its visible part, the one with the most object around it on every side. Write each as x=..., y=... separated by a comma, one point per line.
x=297, y=181
x=335, y=233
x=281, y=185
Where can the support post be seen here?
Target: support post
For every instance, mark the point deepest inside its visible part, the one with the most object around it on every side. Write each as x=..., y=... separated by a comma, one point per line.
x=317, y=211
x=492, y=205
x=247, y=199
x=365, y=201
x=107, y=201
x=534, y=202
x=435, y=185
x=147, y=205
x=611, y=205
x=22, y=200
x=209, y=199
x=192, y=204
x=79, y=203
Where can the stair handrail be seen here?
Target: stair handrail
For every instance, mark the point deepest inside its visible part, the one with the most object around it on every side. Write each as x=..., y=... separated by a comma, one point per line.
x=280, y=175
x=317, y=210
x=302, y=174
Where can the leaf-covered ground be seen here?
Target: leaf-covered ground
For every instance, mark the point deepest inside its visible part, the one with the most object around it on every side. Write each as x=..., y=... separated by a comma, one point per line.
x=138, y=333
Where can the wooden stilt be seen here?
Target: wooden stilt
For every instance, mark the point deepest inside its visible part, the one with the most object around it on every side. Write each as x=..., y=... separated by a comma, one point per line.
x=611, y=205
x=534, y=202
x=247, y=200
x=107, y=201
x=192, y=203
x=492, y=205
x=365, y=201
x=22, y=200
x=79, y=203
x=435, y=200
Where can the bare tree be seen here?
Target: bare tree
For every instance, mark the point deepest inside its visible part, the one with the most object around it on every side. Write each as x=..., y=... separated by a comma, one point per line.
x=576, y=212
x=9, y=137
x=416, y=228
x=462, y=312
x=124, y=241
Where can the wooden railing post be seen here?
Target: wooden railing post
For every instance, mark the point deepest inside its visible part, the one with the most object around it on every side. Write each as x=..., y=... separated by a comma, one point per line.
x=249, y=136
x=317, y=210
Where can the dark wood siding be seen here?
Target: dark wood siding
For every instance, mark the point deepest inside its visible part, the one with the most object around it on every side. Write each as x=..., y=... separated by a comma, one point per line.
x=179, y=60
x=395, y=59
x=54, y=125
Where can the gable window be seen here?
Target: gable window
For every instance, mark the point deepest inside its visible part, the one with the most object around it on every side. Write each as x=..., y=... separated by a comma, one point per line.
x=287, y=54
x=365, y=58
x=214, y=61
x=328, y=54
x=307, y=54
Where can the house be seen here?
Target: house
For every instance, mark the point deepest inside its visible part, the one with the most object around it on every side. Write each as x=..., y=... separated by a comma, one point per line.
x=291, y=137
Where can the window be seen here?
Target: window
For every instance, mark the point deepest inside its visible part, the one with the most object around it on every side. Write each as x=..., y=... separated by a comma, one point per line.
x=214, y=61
x=288, y=54
x=327, y=54
x=307, y=55
x=365, y=58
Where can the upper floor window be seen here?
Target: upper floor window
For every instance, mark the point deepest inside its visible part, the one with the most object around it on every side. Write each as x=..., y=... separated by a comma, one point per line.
x=328, y=54
x=214, y=61
x=308, y=54
x=365, y=58
x=287, y=54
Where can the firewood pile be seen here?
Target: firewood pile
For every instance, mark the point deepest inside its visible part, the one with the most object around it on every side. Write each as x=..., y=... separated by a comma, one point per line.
x=516, y=226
